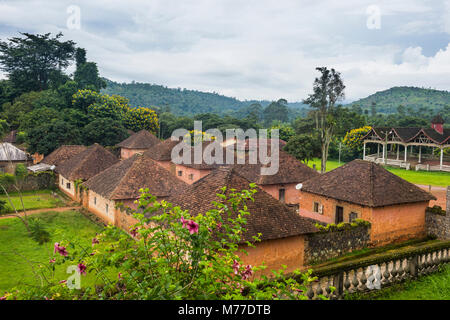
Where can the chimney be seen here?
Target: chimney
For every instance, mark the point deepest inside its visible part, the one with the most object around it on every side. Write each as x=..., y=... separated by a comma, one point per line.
x=438, y=124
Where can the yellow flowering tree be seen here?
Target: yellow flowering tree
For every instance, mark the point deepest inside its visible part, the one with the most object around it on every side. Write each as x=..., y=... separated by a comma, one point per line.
x=353, y=138
x=141, y=118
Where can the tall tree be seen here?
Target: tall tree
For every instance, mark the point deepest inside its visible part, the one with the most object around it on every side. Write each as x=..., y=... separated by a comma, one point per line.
x=32, y=62
x=327, y=90
x=277, y=110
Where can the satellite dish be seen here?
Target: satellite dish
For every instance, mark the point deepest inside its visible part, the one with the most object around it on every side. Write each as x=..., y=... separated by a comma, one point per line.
x=299, y=186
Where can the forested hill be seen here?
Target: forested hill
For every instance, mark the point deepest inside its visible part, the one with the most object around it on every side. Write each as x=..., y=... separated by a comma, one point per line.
x=182, y=101
x=424, y=101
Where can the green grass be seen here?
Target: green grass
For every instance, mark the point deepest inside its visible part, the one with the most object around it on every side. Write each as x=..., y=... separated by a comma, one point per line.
x=431, y=287
x=32, y=200
x=17, y=247
x=441, y=179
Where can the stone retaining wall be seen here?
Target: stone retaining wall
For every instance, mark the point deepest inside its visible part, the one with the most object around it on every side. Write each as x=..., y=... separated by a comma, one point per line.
x=324, y=245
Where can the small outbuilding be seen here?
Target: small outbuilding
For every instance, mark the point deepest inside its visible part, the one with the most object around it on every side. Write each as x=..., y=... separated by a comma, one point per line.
x=10, y=156
x=139, y=142
x=83, y=166
x=365, y=190
x=62, y=154
x=120, y=183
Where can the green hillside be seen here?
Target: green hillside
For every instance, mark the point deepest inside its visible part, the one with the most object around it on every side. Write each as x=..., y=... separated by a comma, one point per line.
x=187, y=102
x=418, y=100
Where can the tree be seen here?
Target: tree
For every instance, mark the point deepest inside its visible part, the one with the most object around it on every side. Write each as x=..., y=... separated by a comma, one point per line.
x=327, y=90
x=38, y=117
x=33, y=61
x=286, y=132
x=13, y=112
x=105, y=131
x=277, y=110
x=140, y=118
x=373, y=109
x=87, y=77
x=49, y=136
x=304, y=147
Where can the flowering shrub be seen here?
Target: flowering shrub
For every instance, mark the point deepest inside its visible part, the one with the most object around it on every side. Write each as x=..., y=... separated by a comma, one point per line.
x=352, y=138
x=170, y=255
x=141, y=118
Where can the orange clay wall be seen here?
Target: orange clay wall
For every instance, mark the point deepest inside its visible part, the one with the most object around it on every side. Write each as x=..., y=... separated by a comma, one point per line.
x=186, y=172
x=168, y=165
x=62, y=184
x=275, y=253
x=128, y=153
x=97, y=205
x=398, y=223
x=329, y=206
x=389, y=224
x=291, y=194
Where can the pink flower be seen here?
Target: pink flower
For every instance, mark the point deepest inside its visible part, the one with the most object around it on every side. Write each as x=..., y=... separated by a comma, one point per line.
x=219, y=225
x=184, y=222
x=119, y=275
x=192, y=227
x=248, y=272
x=236, y=267
x=52, y=261
x=60, y=249
x=95, y=241
x=81, y=268
x=3, y=297
x=63, y=281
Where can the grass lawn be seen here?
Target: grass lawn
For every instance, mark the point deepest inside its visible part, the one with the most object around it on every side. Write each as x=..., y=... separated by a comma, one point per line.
x=15, y=270
x=441, y=179
x=32, y=200
x=431, y=287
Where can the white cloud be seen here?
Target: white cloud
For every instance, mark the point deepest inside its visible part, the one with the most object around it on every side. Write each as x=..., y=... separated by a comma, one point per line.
x=253, y=49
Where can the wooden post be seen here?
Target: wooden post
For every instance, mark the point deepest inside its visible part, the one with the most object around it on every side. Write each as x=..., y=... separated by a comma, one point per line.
x=442, y=158
x=420, y=154
x=364, y=152
x=378, y=150
x=384, y=147
x=398, y=151
x=406, y=152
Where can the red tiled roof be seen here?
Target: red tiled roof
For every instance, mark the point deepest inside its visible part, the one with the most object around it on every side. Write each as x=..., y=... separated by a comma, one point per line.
x=140, y=140
x=87, y=163
x=62, y=154
x=268, y=216
x=124, y=179
x=365, y=183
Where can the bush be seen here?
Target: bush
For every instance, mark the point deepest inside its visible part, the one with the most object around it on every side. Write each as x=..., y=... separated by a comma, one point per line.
x=170, y=255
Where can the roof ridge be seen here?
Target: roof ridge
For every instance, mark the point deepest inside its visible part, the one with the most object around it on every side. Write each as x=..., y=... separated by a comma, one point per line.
x=125, y=175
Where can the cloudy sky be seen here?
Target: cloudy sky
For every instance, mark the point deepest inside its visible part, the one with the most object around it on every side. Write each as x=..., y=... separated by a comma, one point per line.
x=251, y=49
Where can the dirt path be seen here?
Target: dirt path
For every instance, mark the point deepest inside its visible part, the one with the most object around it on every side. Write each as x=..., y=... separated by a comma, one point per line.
x=438, y=192
x=31, y=212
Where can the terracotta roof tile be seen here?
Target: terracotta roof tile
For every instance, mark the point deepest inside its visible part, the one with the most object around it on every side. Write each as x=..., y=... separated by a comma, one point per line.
x=365, y=183
x=124, y=179
x=140, y=140
x=62, y=154
x=87, y=163
x=268, y=216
